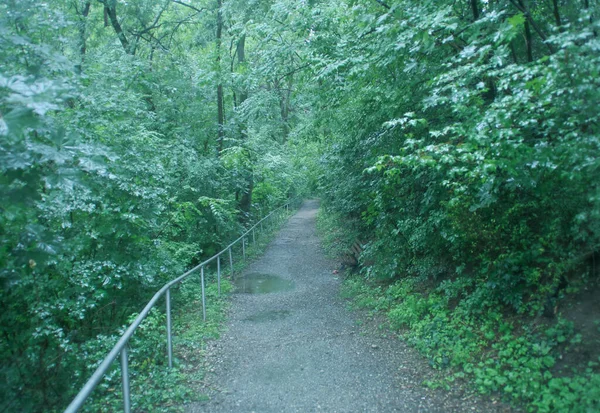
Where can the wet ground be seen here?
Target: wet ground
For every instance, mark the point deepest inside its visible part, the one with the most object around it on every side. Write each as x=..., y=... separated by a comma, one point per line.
x=258, y=283
x=291, y=345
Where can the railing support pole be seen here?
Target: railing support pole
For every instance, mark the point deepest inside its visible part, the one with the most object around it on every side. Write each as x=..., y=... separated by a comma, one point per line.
x=253, y=238
x=203, y=294
x=219, y=274
x=125, y=380
x=231, y=262
x=244, y=247
x=169, y=336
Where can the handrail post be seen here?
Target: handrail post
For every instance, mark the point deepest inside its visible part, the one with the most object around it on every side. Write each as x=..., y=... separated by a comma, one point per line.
x=169, y=336
x=203, y=294
x=219, y=273
x=244, y=247
x=231, y=262
x=125, y=381
x=253, y=238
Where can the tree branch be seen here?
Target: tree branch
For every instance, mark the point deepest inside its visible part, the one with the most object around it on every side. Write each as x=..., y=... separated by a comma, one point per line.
x=111, y=12
x=189, y=5
x=297, y=69
x=383, y=4
x=520, y=5
x=155, y=24
x=156, y=40
x=178, y=25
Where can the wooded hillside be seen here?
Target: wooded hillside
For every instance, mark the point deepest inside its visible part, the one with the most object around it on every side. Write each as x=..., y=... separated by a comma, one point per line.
x=136, y=141
x=462, y=153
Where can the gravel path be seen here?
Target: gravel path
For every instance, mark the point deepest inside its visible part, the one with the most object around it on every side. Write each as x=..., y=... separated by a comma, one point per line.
x=301, y=350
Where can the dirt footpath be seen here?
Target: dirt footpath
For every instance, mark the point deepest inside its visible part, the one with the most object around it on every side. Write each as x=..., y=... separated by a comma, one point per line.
x=298, y=348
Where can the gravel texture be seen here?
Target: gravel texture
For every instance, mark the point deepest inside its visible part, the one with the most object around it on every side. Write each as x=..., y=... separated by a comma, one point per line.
x=302, y=350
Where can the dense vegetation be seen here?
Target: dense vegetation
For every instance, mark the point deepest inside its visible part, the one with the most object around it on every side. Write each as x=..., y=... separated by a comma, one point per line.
x=462, y=151
x=456, y=140
x=134, y=143
x=468, y=143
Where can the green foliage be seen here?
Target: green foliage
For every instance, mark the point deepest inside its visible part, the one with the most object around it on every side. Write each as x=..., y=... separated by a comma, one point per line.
x=462, y=148
x=459, y=143
x=495, y=354
x=111, y=184
x=459, y=157
x=337, y=241
x=155, y=387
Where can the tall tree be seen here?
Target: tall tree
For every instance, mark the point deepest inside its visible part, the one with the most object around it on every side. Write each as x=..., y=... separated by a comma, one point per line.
x=220, y=98
x=83, y=10
x=246, y=195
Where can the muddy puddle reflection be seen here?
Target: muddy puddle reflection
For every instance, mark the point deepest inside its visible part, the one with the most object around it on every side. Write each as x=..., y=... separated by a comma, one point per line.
x=257, y=283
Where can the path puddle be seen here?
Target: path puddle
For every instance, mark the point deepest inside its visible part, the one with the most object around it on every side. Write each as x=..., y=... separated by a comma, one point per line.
x=264, y=316
x=257, y=283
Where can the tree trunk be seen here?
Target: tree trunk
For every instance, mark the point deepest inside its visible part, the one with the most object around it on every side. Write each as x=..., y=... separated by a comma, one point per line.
x=513, y=52
x=557, y=14
x=284, y=103
x=242, y=92
x=82, y=28
x=82, y=34
x=475, y=8
x=111, y=12
x=241, y=53
x=220, y=104
x=528, y=42
x=530, y=23
x=246, y=198
x=586, y=5
x=528, y=38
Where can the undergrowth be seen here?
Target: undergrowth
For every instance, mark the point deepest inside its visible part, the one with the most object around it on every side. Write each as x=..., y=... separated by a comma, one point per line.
x=155, y=387
x=479, y=341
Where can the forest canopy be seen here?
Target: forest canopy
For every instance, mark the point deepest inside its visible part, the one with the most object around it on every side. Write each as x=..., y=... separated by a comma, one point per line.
x=458, y=141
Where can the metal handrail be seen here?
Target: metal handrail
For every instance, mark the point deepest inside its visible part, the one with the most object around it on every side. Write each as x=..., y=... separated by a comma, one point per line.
x=121, y=347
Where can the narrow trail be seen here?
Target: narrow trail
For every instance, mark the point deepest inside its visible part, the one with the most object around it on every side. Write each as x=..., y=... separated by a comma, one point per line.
x=301, y=350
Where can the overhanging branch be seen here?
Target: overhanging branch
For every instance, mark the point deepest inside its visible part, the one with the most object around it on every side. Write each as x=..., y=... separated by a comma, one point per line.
x=189, y=5
x=383, y=4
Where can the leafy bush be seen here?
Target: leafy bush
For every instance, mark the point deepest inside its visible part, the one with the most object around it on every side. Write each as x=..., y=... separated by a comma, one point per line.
x=497, y=355
x=111, y=184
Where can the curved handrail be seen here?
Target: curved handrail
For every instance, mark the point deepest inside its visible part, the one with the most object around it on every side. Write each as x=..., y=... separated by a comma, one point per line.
x=120, y=347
